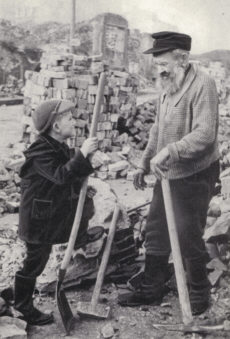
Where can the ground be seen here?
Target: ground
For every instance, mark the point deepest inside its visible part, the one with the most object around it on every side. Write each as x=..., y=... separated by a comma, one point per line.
x=127, y=323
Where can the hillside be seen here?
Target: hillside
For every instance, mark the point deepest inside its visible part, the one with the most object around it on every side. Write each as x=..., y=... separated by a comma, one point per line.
x=221, y=55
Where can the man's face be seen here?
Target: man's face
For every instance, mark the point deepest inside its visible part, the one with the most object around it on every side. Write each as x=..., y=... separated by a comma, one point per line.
x=165, y=64
x=170, y=74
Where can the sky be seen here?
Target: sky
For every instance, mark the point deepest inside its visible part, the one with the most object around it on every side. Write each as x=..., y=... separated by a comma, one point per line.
x=207, y=21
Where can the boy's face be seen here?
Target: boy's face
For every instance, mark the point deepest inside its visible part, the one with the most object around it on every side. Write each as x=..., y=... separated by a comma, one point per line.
x=66, y=126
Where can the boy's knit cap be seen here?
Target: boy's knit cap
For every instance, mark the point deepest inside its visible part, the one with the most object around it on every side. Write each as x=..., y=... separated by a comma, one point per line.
x=45, y=113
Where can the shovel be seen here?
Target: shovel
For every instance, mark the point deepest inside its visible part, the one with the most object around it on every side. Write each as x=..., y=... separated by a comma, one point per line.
x=62, y=302
x=93, y=309
x=176, y=254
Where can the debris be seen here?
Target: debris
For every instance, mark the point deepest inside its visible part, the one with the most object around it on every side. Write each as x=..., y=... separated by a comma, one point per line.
x=107, y=331
x=12, y=328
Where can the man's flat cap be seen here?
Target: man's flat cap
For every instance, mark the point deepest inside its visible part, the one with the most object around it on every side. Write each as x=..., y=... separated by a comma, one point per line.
x=168, y=41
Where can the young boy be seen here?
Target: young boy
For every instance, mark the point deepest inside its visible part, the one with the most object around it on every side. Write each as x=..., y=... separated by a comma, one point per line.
x=50, y=187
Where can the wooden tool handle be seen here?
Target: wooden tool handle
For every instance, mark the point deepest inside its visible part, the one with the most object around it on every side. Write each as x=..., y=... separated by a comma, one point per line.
x=81, y=201
x=176, y=254
x=105, y=258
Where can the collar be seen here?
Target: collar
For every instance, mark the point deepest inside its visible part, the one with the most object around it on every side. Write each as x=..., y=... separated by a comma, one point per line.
x=56, y=145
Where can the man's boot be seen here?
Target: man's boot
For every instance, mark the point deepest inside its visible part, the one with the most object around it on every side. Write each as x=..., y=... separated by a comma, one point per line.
x=199, y=285
x=23, y=302
x=152, y=287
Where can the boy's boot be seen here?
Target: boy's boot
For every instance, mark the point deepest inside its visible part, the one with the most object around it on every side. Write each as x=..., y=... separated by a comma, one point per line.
x=152, y=288
x=23, y=302
x=199, y=285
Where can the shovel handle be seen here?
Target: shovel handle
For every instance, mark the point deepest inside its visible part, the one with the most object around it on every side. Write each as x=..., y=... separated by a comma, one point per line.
x=176, y=254
x=81, y=201
x=105, y=258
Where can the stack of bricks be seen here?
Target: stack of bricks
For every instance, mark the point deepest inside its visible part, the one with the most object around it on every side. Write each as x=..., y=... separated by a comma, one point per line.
x=75, y=78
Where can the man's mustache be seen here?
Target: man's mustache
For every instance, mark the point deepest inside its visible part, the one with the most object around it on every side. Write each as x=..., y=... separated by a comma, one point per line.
x=164, y=74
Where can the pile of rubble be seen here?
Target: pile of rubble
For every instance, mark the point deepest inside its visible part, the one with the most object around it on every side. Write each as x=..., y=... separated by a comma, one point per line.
x=75, y=78
x=12, y=87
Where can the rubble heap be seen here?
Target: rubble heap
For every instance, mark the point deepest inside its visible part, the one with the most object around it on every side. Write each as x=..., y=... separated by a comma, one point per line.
x=67, y=76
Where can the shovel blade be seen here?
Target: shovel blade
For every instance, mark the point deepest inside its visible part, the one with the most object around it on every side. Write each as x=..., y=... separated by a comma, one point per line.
x=85, y=310
x=64, y=308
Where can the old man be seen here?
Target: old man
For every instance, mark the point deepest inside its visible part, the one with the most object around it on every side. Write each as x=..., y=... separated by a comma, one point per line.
x=183, y=148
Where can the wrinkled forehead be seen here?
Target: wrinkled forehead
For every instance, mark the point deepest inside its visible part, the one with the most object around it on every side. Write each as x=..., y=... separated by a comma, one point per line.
x=163, y=59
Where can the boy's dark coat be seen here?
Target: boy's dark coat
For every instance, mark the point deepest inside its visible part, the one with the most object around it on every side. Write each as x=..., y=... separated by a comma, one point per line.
x=50, y=185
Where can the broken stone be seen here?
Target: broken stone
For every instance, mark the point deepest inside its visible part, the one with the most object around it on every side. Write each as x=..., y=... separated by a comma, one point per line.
x=12, y=206
x=3, y=306
x=210, y=221
x=220, y=230
x=15, y=164
x=99, y=158
x=130, y=175
x=118, y=166
x=214, y=277
x=107, y=331
x=216, y=263
x=12, y=328
x=214, y=210
x=212, y=250
x=225, y=206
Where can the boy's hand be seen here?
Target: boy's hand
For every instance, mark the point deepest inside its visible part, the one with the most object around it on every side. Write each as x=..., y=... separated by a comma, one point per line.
x=91, y=191
x=89, y=146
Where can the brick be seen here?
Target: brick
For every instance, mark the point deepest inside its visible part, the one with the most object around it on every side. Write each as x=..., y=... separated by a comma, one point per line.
x=100, y=135
x=92, y=89
x=91, y=99
x=103, y=168
x=83, y=84
x=97, y=67
x=112, y=175
x=106, y=126
x=68, y=94
x=61, y=83
x=114, y=117
x=121, y=74
x=119, y=166
x=50, y=93
x=107, y=144
x=82, y=103
x=103, y=117
x=130, y=175
x=52, y=74
x=102, y=175
x=59, y=95
x=28, y=74
x=80, y=123
x=90, y=108
x=99, y=158
x=57, y=68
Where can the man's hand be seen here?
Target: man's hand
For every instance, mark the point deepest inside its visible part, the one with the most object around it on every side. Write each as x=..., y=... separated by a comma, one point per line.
x=89, y=146
x=91, y=191
x=158, y=164
x=138, y=181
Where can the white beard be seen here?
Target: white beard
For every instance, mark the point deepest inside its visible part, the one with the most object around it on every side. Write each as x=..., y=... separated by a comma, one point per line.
x=172, y=83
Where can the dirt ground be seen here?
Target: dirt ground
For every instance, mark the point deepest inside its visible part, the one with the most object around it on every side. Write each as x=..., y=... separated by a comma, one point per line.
x=127, y=323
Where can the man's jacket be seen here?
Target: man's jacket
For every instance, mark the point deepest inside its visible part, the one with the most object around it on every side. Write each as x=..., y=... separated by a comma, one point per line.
x=187, y=124
x=50, y=185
